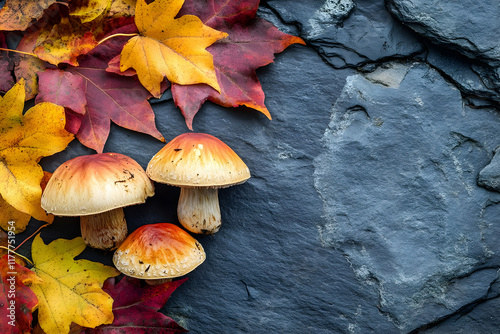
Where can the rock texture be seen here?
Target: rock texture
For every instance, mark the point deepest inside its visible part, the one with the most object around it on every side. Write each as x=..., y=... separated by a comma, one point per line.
x=373, y=205
x=398, y=183
x=469, y=27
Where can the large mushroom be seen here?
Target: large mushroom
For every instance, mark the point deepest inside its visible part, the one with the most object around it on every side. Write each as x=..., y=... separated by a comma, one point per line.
x=96, y=187
x=199, y=164
x=158, y=253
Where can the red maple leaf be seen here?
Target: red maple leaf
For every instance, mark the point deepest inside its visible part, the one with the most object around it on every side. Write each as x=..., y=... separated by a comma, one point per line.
x=252, y=43
x=136, y=308
x=96, y=97
x=17, y=301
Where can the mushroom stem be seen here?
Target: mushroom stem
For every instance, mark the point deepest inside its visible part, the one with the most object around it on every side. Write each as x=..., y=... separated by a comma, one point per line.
x=198, y=210
x=104, y=230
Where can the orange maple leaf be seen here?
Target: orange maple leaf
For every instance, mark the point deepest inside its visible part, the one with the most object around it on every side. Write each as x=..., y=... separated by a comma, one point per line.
x=169, y=46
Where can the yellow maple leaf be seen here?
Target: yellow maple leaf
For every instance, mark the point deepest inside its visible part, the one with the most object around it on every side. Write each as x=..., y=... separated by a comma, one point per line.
x=9, y=214
x=71, y=290
x=169, y=46
x=14, y=220
x=24, y=140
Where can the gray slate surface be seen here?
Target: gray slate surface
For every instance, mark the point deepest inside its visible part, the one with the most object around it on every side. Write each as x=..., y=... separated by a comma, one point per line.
x=363, y=213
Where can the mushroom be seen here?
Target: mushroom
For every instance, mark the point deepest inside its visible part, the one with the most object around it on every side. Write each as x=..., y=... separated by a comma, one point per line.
x=158, y=253
x=199, y=164
x=96, y=187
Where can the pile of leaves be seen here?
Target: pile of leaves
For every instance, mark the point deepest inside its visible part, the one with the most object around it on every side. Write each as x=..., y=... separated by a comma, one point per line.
x=87, y=63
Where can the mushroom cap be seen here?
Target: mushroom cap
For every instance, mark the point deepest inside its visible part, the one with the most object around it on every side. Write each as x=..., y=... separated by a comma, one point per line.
x=157, y=251
x=197, y=160
x=96, y=183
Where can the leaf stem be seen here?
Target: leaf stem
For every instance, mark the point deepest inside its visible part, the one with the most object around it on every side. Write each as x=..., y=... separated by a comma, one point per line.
x=21, y=52
x=116, y=35
x=31, y=236
x=21, y=256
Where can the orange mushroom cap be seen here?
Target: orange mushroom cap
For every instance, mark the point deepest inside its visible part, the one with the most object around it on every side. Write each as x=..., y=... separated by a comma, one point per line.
x=197, y=160
x=158, y=251
x=96, y=183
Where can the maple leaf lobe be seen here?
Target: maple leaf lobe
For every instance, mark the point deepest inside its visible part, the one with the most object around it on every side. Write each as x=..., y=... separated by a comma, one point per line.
x=70, y=290
x=252, y=43
x=169, y=46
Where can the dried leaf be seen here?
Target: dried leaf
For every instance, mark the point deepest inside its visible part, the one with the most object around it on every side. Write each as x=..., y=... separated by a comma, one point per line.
x=19, y=14
x=169, y=46
x=66, y=41
x=70, y=290
x=24, y=140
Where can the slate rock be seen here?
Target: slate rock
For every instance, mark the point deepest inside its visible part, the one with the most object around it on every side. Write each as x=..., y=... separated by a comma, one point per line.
x=489, y=177
x=361, y=218
x=480, y=316
x=398, y=182
x=471, y=27
x=349, y=34
x=475, y=80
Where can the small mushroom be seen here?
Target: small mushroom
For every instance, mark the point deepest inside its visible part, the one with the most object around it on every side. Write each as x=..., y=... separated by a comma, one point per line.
x=96, y=187
x=158, y=253
x=200, y=164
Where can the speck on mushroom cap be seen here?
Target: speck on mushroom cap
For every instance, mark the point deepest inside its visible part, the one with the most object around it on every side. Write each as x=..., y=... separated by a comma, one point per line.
x=197, y=160
x=157, y=251
x=96, y=183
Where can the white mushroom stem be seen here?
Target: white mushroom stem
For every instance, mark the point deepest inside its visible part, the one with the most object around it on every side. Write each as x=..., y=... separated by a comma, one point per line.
x=104, y=230
x=198, y=210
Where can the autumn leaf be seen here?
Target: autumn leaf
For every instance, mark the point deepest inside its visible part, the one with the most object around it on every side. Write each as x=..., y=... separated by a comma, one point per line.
x=6, y=66
x=136, y=308
x=19, y=14
x=169, y=46
x=89, y=10
x=64, y=89
x=70, y=290
x=122, y=8
x=71, y=37
x=105, y=96
x=24, y=140
x=252, y=43
x=20, y=219
x=11, y=218
x=17, y=300
x=65, y=42
x=26, y=66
